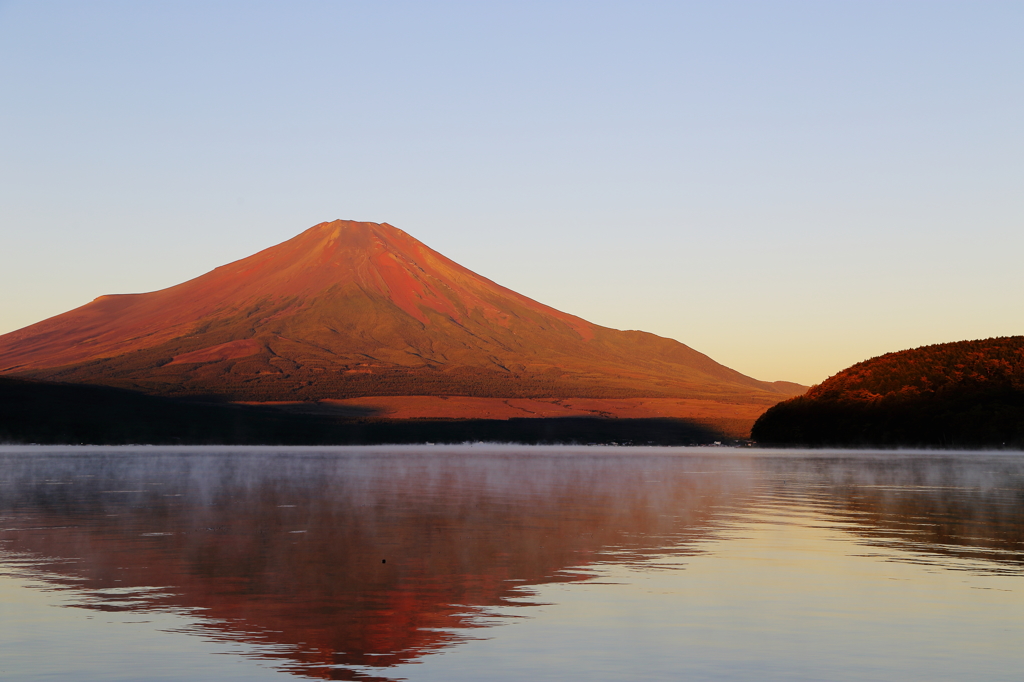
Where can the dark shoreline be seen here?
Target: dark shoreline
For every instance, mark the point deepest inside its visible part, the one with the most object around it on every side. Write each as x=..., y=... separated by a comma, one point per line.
x=44, y=413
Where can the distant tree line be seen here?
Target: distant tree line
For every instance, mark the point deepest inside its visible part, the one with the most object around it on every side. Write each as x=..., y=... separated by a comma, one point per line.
x=51, y=413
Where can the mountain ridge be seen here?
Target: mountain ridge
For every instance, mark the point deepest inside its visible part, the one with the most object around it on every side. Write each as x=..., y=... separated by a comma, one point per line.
x=350, y=309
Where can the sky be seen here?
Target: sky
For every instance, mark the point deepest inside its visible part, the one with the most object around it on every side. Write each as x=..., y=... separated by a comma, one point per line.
x=788, y=187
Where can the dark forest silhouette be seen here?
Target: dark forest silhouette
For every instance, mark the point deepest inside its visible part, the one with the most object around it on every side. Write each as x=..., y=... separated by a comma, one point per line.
x=963, y=394
x=52, y=413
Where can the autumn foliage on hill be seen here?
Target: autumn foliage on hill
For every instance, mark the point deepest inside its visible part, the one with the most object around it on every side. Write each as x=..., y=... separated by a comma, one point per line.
x=963, y=394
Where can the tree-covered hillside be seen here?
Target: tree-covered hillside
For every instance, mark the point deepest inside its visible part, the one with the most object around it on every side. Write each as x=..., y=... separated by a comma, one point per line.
x=963, y=394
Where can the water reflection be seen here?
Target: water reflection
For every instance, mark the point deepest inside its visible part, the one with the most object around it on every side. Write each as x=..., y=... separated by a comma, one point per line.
x=363, y=560
x=939, y=507
x=344, y=562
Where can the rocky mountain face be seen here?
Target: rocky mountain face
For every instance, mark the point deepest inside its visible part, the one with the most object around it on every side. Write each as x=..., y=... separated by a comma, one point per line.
x=352, y=309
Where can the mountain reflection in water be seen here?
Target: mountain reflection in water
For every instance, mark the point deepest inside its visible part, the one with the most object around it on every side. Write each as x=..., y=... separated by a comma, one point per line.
x=349, y=561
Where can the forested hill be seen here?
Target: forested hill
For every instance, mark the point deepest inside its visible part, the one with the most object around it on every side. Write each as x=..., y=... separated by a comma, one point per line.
x=962, y=394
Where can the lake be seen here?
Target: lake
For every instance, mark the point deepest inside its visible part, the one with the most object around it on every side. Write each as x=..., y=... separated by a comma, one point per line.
x=482, y=562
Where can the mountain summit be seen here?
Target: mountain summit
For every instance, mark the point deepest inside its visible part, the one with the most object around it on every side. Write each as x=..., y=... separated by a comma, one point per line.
x=353, y=309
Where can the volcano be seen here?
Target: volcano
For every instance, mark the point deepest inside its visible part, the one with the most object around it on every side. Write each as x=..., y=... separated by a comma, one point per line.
x=357, y=311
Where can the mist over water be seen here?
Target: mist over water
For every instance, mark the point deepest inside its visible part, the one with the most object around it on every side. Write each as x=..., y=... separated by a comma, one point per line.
x=492, y=562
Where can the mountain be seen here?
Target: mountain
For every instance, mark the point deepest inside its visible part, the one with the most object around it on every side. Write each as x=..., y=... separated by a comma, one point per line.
x=349, y=310
x=962, y=394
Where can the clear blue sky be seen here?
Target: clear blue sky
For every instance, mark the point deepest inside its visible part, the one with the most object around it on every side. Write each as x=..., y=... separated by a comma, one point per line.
x=789, y=187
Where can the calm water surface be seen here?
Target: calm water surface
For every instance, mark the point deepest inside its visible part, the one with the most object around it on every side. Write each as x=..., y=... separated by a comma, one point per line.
x=510, y=563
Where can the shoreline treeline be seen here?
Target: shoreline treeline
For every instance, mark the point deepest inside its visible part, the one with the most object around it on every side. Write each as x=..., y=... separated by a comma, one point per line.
x=962, y=394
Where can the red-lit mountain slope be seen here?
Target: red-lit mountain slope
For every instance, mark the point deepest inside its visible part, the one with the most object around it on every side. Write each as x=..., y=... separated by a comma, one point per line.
x=349, y=309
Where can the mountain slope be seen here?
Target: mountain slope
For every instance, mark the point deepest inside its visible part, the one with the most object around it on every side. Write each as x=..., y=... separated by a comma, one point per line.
x=349, y=309
x=963, y=394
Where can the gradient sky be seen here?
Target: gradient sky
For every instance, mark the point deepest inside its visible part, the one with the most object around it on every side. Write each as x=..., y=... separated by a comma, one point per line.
x=789, y=187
